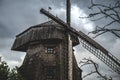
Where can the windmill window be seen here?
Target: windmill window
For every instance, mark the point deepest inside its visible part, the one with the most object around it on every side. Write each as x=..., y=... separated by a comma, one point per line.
x=50, y=72
x=50, y=50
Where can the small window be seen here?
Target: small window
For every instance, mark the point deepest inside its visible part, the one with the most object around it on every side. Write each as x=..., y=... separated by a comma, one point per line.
x=50, y=50
x=50, y=72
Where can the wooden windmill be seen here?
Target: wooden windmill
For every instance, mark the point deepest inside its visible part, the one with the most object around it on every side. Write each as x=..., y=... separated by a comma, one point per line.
x=49, y=48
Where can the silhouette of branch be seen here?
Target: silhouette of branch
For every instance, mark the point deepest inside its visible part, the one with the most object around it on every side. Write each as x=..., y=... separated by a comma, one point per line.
x=99, y=31
x=96, y=66
x=106, y=12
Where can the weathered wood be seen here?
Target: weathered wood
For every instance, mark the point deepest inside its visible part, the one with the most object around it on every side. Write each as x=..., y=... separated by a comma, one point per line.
x=34, y=41
x=70, y=29
x=70, y=59
x=68, y=12
x=40, y=34
x=38, y=59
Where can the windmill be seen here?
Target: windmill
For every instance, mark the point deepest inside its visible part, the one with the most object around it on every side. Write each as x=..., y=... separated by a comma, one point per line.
x=49, y=52
x=49, y=48
x=88, y=43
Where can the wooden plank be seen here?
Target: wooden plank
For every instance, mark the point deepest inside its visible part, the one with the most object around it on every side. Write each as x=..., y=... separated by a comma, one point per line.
x=70, y=59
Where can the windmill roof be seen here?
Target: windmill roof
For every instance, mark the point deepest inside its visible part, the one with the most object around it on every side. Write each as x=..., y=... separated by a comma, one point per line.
x=48, y=23
x=41, y=33
x=51, y=22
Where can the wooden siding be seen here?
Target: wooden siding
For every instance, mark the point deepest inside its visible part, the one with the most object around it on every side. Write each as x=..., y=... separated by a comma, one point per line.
x=37, y=60
x=41, y=33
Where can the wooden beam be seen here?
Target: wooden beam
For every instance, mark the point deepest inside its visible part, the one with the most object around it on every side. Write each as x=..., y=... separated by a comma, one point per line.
x=70, y=48
x=70, y=58
x=68, y=12
x=81, y=35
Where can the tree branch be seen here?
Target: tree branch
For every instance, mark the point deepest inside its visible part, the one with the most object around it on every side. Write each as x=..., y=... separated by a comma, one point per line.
x=96, y=66
x=106, y=12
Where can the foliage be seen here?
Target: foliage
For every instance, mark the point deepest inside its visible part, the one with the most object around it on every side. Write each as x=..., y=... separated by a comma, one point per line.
x=15, y=75
x=4, y=71
x=7, y=74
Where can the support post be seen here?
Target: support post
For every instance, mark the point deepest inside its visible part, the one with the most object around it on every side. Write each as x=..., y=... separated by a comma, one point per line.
x=68, y=10
x=70, y=52
x=70, y=58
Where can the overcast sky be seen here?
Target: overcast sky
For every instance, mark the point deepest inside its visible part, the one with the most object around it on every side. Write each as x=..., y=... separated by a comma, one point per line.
x=18, y=15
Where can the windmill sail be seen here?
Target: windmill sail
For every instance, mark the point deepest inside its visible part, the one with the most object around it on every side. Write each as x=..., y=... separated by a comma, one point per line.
x=90, y=44
x=101, y=53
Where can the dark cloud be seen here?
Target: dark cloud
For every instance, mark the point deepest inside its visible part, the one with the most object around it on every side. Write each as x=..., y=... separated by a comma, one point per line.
x=18, y=15
x=4, y=31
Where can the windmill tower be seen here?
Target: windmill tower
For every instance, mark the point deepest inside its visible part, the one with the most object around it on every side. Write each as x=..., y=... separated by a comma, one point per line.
x=49, y=49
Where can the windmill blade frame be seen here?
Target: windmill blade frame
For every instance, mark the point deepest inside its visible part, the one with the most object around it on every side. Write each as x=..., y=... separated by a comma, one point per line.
x=91, y=45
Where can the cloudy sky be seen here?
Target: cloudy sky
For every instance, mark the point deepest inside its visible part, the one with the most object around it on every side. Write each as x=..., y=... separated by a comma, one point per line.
x=18, y=15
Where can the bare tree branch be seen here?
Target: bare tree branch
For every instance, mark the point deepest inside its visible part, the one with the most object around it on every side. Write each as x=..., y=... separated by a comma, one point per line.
x=106, y=12
x=92, y=72
x=99, y=31
x=96, y=66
